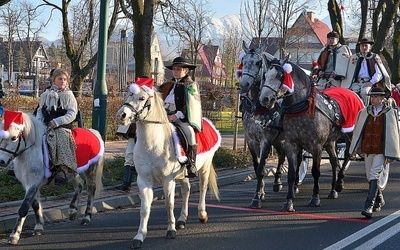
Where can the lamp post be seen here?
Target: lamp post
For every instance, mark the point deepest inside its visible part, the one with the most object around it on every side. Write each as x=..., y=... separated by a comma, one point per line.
x=100, y=88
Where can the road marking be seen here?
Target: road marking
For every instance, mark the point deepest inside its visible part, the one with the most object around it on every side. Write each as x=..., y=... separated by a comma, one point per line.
x=380, y=238
x=305, y=215
x=363, y=232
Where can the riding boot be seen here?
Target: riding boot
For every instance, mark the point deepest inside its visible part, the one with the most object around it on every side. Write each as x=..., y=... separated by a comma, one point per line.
x=128, y=175
x=379, y=201
x=369, y=202
x=191, y=164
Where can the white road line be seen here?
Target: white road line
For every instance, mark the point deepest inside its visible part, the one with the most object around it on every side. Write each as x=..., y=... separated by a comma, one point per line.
x=363, y=232
x=380, y=238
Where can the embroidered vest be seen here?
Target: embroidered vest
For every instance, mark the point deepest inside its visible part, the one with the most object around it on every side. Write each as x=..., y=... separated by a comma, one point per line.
x=373, y=135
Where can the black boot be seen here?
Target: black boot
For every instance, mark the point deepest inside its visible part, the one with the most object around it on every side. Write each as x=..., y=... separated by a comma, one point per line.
x=379, y=201
x=128, y=174
x=369, y=202
x=191, y=164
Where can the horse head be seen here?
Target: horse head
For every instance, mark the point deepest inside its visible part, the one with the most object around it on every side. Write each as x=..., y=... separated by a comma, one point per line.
x=138, y=106
x=273, y=88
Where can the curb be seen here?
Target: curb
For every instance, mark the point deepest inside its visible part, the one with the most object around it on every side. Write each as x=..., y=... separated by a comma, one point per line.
x=114, y=202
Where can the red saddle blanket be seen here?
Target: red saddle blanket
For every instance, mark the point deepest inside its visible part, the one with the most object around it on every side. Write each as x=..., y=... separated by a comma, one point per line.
x=349, y=103
x=89, y=149
x=208, y=140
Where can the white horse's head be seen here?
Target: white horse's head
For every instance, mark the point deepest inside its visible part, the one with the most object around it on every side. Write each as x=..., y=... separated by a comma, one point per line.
x=17, y=133
x=273, y=87
x=138, y=106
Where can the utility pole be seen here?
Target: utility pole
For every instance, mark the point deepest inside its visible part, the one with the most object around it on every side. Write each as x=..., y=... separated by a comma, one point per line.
x=100, y=88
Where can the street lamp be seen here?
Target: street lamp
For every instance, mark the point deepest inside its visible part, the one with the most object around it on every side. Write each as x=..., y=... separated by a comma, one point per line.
x=100, y=89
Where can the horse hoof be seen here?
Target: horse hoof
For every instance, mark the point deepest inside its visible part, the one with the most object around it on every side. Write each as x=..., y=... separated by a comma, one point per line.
x=333, y=195
x=255, y=203
x=314, y=202
x=38, y=232
x=13, y=240
x=288, y=207
x=180, y=224
x=296, y=190
x=277, y=187
x=203, y=220
x=72, y=214
x=136, y=244
x=171, y=234
x=85, y=221
x=339, y=187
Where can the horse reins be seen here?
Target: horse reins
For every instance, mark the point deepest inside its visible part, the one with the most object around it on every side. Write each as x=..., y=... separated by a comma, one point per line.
x=138, y=112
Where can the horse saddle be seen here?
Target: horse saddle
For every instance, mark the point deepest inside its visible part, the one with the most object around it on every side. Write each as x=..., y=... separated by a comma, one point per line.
x=330, y=108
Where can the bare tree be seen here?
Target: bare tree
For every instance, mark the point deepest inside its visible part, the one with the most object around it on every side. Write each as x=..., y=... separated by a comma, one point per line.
x=28, y=30
x=282, y=13
x=259, y=18
x=186, y=19
x=77, y=42
x=232, y=48
x=10, y=17
x=141, y=14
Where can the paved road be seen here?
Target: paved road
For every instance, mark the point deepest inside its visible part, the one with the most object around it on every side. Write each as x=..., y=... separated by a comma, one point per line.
x=337, y=224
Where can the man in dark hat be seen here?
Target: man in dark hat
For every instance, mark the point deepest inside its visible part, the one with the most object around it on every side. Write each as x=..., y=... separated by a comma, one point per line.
x=376, y=136
x=368, y=71
x=182, y=102
x=330, y=62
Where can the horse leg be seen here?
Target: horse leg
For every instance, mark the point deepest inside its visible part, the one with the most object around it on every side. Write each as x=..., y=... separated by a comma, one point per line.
x=259, y=194
x=169, y=193
x=342, y=174
x=291, y=153
x=185, y=190
x=147, y=194
x=316, y=173
x=260, y=173
x=278, y=174
x=333, y=159
x=91, y=190
x=297, y=182
x=37, y=208
x=22, y=213
x=77, y=183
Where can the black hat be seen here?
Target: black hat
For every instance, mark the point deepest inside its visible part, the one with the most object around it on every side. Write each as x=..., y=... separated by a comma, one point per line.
x=365, y=40
x=377, y=91
x=332, y=34
x=52, y=72
x=181, y=62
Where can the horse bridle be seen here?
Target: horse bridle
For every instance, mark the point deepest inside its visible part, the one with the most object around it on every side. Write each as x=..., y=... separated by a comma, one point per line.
x=16, y=153
x=279, y=76
x=249, y=74
x=136, y=113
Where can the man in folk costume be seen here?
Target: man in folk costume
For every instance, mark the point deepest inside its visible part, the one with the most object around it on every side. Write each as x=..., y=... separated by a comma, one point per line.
x=332, y=62
x=376, y=135
x=368, y=71
x=182, y=102
x=57, y=110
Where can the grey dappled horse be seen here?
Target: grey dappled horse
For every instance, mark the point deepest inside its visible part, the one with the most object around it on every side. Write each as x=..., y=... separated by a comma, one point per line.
x=303, y=131
x=261, y=124
x=156, y=161
x=25, y=149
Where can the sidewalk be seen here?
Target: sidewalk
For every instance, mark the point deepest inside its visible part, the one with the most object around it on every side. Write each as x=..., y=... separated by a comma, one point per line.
x=56, y=208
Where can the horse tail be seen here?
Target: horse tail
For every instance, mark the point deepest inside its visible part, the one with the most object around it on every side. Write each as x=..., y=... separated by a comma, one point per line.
x=212, y=183
x=99, y=177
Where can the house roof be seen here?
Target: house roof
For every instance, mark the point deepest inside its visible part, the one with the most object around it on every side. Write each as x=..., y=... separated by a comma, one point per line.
x=319, y=28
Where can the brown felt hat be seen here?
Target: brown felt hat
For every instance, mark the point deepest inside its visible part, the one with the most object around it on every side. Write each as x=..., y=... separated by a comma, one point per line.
x=365, y=40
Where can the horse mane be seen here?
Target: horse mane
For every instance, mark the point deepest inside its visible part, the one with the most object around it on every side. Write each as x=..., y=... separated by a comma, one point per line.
x=158, y=113
x=34, y=129
x=299, y=72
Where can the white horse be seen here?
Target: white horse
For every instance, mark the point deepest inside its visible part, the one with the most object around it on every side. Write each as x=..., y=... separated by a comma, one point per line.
x=156, y=160
x=24, y=148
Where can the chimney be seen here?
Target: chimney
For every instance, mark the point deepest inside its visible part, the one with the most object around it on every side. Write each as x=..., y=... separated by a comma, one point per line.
x=311, y=15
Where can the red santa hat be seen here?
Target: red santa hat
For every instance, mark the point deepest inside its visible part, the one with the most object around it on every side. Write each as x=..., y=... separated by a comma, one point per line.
x=287, y=77
x=144, y=83
x=315, y=65
x=11, y=119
